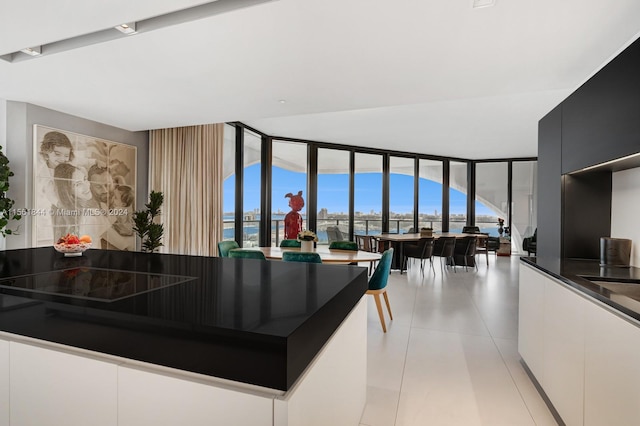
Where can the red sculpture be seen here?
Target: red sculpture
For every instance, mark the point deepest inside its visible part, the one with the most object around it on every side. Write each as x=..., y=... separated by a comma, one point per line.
x=293, y=220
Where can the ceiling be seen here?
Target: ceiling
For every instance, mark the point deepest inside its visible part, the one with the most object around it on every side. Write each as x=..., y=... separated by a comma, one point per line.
x=428, y=76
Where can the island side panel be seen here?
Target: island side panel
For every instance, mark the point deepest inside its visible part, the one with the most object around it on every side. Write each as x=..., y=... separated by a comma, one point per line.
x=333, y=390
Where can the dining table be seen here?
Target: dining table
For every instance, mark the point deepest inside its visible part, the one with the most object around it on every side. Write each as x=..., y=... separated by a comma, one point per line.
x=327, y=255
x=397, y=242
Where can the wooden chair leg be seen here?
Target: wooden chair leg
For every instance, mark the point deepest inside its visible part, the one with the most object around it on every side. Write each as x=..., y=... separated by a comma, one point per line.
x=386, y=300
x=376, y=297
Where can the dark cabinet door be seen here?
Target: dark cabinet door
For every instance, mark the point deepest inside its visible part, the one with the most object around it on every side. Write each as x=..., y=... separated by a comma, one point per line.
x=601, y=120
x=549, y=185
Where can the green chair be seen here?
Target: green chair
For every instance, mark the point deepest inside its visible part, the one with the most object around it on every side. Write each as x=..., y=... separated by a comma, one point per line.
x=290, y=243
x=246, y=254
x=225, y=246
x=344, y=245
x=297, y=256
x=378, y=285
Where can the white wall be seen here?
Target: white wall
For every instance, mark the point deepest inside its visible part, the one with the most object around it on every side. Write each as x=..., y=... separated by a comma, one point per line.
x=625, y=209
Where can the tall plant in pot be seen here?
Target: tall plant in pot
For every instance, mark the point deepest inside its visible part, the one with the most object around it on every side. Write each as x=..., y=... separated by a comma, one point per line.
x=7, y=212
x=149, y=231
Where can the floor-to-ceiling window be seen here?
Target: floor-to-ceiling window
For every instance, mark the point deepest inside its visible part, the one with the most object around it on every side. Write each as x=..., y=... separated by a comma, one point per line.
x=524, y=220
x=288, y=185
x=457, y=195
x=251, y=190
x=492, y=196
x=229, y=182
x=335, y=202
x=368, y=194
x=333, y=191
x=430, y=194
x=401, y=194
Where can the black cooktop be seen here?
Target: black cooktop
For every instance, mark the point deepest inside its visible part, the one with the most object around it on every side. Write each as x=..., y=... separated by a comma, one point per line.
x=104, y=285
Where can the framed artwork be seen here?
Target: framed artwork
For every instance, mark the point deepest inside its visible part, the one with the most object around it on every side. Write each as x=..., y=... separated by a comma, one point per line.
x=85, y=186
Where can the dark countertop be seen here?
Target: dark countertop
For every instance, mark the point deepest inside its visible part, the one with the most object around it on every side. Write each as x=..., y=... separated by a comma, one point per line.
x=252, y=321
x=617, y=287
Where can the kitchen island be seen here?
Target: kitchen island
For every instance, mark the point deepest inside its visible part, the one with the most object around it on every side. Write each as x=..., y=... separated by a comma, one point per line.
x=239, y=340
x=579, y=336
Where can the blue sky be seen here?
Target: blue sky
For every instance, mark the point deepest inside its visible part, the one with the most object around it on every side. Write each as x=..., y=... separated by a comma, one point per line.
x=334, y=192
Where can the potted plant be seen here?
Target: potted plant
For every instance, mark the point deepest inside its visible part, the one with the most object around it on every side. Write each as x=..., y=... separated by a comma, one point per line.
x=7, y=212
x=148, y=230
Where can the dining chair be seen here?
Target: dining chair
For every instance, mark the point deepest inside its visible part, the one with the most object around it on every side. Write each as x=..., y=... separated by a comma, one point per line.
x=443, y=248
x=344, y=245
x=470, y=230
x=482, y=247
x=225, y=246
x=290, y=243
x=378, y=285
x=422, y=250
x=239, y=253
x=370, y=244
x=297, y=256
x=465, y=251
x=334, y=234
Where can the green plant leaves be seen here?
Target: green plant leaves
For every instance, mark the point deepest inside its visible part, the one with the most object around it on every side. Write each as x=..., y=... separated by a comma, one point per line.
x=150, y=232
x=6, y=204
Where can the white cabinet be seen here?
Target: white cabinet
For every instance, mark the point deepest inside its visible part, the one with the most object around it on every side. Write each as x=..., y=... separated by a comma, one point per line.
x=4, y=383
x=563, y=354
x=148, y=398
x=530, y=326
x=612, y=369
x=55, y=388
x=585, y=357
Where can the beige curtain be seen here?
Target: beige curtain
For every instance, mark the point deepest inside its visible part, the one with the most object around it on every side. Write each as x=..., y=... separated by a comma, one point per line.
x=185, y=164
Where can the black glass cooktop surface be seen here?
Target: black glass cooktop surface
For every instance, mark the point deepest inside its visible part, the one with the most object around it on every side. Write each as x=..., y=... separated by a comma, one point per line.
x=103, y=285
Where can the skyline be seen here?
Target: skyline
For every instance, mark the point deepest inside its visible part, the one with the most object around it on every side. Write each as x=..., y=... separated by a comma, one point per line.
x=333, y=193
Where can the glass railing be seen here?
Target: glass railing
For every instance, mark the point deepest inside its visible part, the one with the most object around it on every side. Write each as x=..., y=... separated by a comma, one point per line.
x=361, y=227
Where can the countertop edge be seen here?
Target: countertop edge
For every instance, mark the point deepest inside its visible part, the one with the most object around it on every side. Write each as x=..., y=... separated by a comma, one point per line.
x=625, y=313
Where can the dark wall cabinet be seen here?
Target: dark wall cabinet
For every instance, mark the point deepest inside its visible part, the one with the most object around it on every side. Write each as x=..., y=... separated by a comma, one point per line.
x=597, y=123
x=601, y=119
x=550, y=184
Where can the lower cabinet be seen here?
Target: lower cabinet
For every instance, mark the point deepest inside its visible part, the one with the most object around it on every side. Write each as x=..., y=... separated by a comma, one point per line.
x=56, y=388
x=584, y=356
x=4, y=383
x=563, y=329
x=612, y=369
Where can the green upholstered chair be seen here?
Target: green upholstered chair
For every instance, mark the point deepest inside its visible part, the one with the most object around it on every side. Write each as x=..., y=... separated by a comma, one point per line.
x=378, y=285
x=246, y=254
x=290, y=243
x=297, y=256
x=225, y=246
x=344, y=245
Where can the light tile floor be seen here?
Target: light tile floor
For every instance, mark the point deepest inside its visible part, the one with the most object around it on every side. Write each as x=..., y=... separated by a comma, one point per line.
x=450, y=356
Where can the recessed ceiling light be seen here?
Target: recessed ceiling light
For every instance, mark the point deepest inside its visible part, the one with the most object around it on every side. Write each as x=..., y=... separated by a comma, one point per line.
x=32, y=51
x=282, y=101
x=127, y=28
x=483, y=3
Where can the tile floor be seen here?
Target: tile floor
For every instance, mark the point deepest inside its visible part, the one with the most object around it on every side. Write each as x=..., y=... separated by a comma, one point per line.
x=450, y=356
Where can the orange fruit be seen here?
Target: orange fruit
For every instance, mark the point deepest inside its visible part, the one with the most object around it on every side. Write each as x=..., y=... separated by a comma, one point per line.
x=85, y=239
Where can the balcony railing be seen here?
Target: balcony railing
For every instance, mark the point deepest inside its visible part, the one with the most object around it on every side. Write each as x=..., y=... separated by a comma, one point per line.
x=361, y=227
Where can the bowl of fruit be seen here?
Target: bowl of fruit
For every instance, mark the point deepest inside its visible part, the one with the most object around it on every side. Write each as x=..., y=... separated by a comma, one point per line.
x=72, y=245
